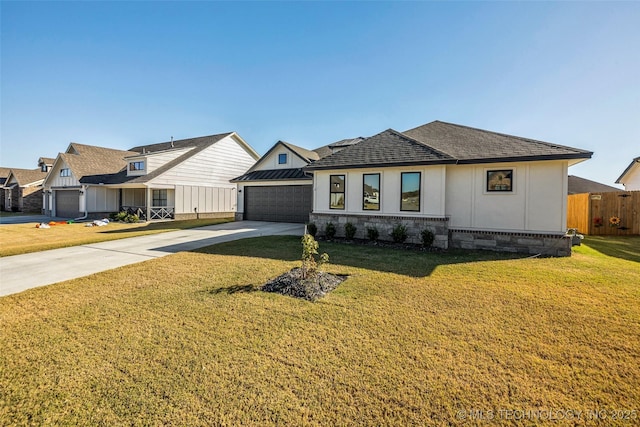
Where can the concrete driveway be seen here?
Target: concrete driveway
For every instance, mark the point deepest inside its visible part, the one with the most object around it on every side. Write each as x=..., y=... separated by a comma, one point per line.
x=22, y=272
x=26, y=219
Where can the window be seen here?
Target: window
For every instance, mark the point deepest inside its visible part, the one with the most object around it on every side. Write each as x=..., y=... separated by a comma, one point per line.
x=410, y=191
x=500, y=180
x=337, y=192
x=159, y=198
x=44, y=168
x=282, y=159
x=136, y=166
x=371, y=190
x=65, y=172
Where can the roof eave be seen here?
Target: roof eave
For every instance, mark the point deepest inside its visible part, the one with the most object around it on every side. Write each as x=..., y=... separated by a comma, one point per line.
x=313, y=167
x=576, y=156
x=627, y=170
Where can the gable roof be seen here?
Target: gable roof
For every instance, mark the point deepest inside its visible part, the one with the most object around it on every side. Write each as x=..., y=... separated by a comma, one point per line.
x=579, y=185
x=120, y=177
x=88, y=160
x=388, y=148
x=4, y=173
x=25, y=177
x=628, y=169
x=471, y=145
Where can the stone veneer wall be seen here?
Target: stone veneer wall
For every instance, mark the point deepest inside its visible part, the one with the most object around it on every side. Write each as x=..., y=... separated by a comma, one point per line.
x=524, y=243
x=385, y=224
x=204, y=215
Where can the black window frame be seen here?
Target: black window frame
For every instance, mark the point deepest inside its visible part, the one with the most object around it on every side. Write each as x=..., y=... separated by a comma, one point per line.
x=282, y=156
x=160, y=192
x=364, y=205
x=489, y=178
x=64, y=172
x=402, y=174
x=343, y=192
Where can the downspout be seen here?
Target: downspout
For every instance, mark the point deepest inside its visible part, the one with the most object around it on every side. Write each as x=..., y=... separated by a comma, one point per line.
x=83, y=191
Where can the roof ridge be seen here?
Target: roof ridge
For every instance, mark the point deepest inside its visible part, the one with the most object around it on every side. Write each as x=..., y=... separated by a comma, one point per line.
x=421, y=143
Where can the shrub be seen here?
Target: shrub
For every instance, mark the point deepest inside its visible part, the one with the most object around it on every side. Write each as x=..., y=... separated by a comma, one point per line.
x=330, y=230
x=312, y=229
x=399, y=233
x=311, y=265
x=132, y=218
x=350, y=230
x=427, y=238
x=372, y=233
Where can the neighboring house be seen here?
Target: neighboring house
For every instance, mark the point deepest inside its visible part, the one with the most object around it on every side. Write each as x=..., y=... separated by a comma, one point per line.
x=182, y=179
x=4, y=173
x=630, y=178
x=577, y=185
x=22, y=190
x=277, y=188
x=472, y=188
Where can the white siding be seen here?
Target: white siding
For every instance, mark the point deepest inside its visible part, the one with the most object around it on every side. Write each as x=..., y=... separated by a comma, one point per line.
x=55, y=180
x=212, y=167
x=432, y=198
x=271, y=161
x=101, y=199
x=155, y=160
x=536, y=204
x=632, y=178
x=205, y=199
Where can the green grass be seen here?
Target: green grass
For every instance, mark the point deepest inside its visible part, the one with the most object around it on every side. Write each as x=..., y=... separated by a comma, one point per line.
x=25, y=238
x=409, y=339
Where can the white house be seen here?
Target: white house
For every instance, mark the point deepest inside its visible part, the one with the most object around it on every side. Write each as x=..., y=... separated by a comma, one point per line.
x=176, y=179
x=630, y=178
x=277, y=188
x=473, y=188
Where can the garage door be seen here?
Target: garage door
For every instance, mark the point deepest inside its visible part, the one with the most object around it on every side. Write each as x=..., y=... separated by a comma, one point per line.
x=67, y=204
x=282, y=203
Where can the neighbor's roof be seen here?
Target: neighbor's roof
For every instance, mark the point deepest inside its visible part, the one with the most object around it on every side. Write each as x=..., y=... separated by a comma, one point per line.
x=273, y=175
x=46, y=160
x=88, y=160
x=471, y=145
x=631, y=165
x=579, y=185
x=120, y=176
x=388, y=148
x=328, y=150
x=4, y=173
x=306, y=155
x=27, y=176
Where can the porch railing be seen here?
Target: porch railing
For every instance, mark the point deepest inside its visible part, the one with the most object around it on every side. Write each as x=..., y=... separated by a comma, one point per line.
x=141, y=211
x=161, y=213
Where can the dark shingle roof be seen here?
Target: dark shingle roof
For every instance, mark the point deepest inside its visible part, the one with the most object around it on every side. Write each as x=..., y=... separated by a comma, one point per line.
x=579, y=185
x=328, y=150
x=306, y=155
x=471, y=145
x=180, y=143
x=272, y=175
x=388, y=148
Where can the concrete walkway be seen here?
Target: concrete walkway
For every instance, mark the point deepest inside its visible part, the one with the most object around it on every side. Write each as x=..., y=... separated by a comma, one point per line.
x=22, y=272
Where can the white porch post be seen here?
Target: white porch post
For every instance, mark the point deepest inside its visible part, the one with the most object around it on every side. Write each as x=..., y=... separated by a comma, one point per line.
x=148, y=203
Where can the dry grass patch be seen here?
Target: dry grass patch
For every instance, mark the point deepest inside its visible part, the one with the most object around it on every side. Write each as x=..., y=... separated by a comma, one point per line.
x=25, y=238
x=409, y=339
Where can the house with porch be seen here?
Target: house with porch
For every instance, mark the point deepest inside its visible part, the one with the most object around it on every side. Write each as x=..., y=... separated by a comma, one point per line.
x=179, y=179
x=472, y=188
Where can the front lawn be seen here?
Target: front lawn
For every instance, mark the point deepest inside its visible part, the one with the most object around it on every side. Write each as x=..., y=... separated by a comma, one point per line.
x=409, y=338
x=25, y=238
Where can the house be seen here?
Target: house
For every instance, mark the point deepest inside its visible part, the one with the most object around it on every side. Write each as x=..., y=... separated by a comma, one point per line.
x=473, y=188
x=22, y=190
x=277, y=188
x=630, y=178
x=577, y=185
x=4, y=173
x=180, y=179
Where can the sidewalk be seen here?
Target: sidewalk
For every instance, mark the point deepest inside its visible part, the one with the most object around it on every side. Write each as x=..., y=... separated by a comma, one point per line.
x=22, y=272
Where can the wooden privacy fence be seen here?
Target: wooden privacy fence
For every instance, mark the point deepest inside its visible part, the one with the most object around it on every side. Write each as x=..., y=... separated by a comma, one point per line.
x=591, y=213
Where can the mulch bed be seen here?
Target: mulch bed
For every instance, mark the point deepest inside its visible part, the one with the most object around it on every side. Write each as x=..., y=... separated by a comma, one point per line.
x=292, y=284
x=381, y=244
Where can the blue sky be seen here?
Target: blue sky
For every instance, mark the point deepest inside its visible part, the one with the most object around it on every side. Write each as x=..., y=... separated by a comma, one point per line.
x=121, y=74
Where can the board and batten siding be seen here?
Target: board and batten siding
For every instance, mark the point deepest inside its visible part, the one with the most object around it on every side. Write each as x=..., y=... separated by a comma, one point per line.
x=205, y=199
x=55, y=180
x=101, y=199
x=212, y=167
x=537, y=202
x=270, y=162
x=155, y=160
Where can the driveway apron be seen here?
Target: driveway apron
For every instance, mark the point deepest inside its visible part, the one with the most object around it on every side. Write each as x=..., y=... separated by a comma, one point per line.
x=22, y=272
